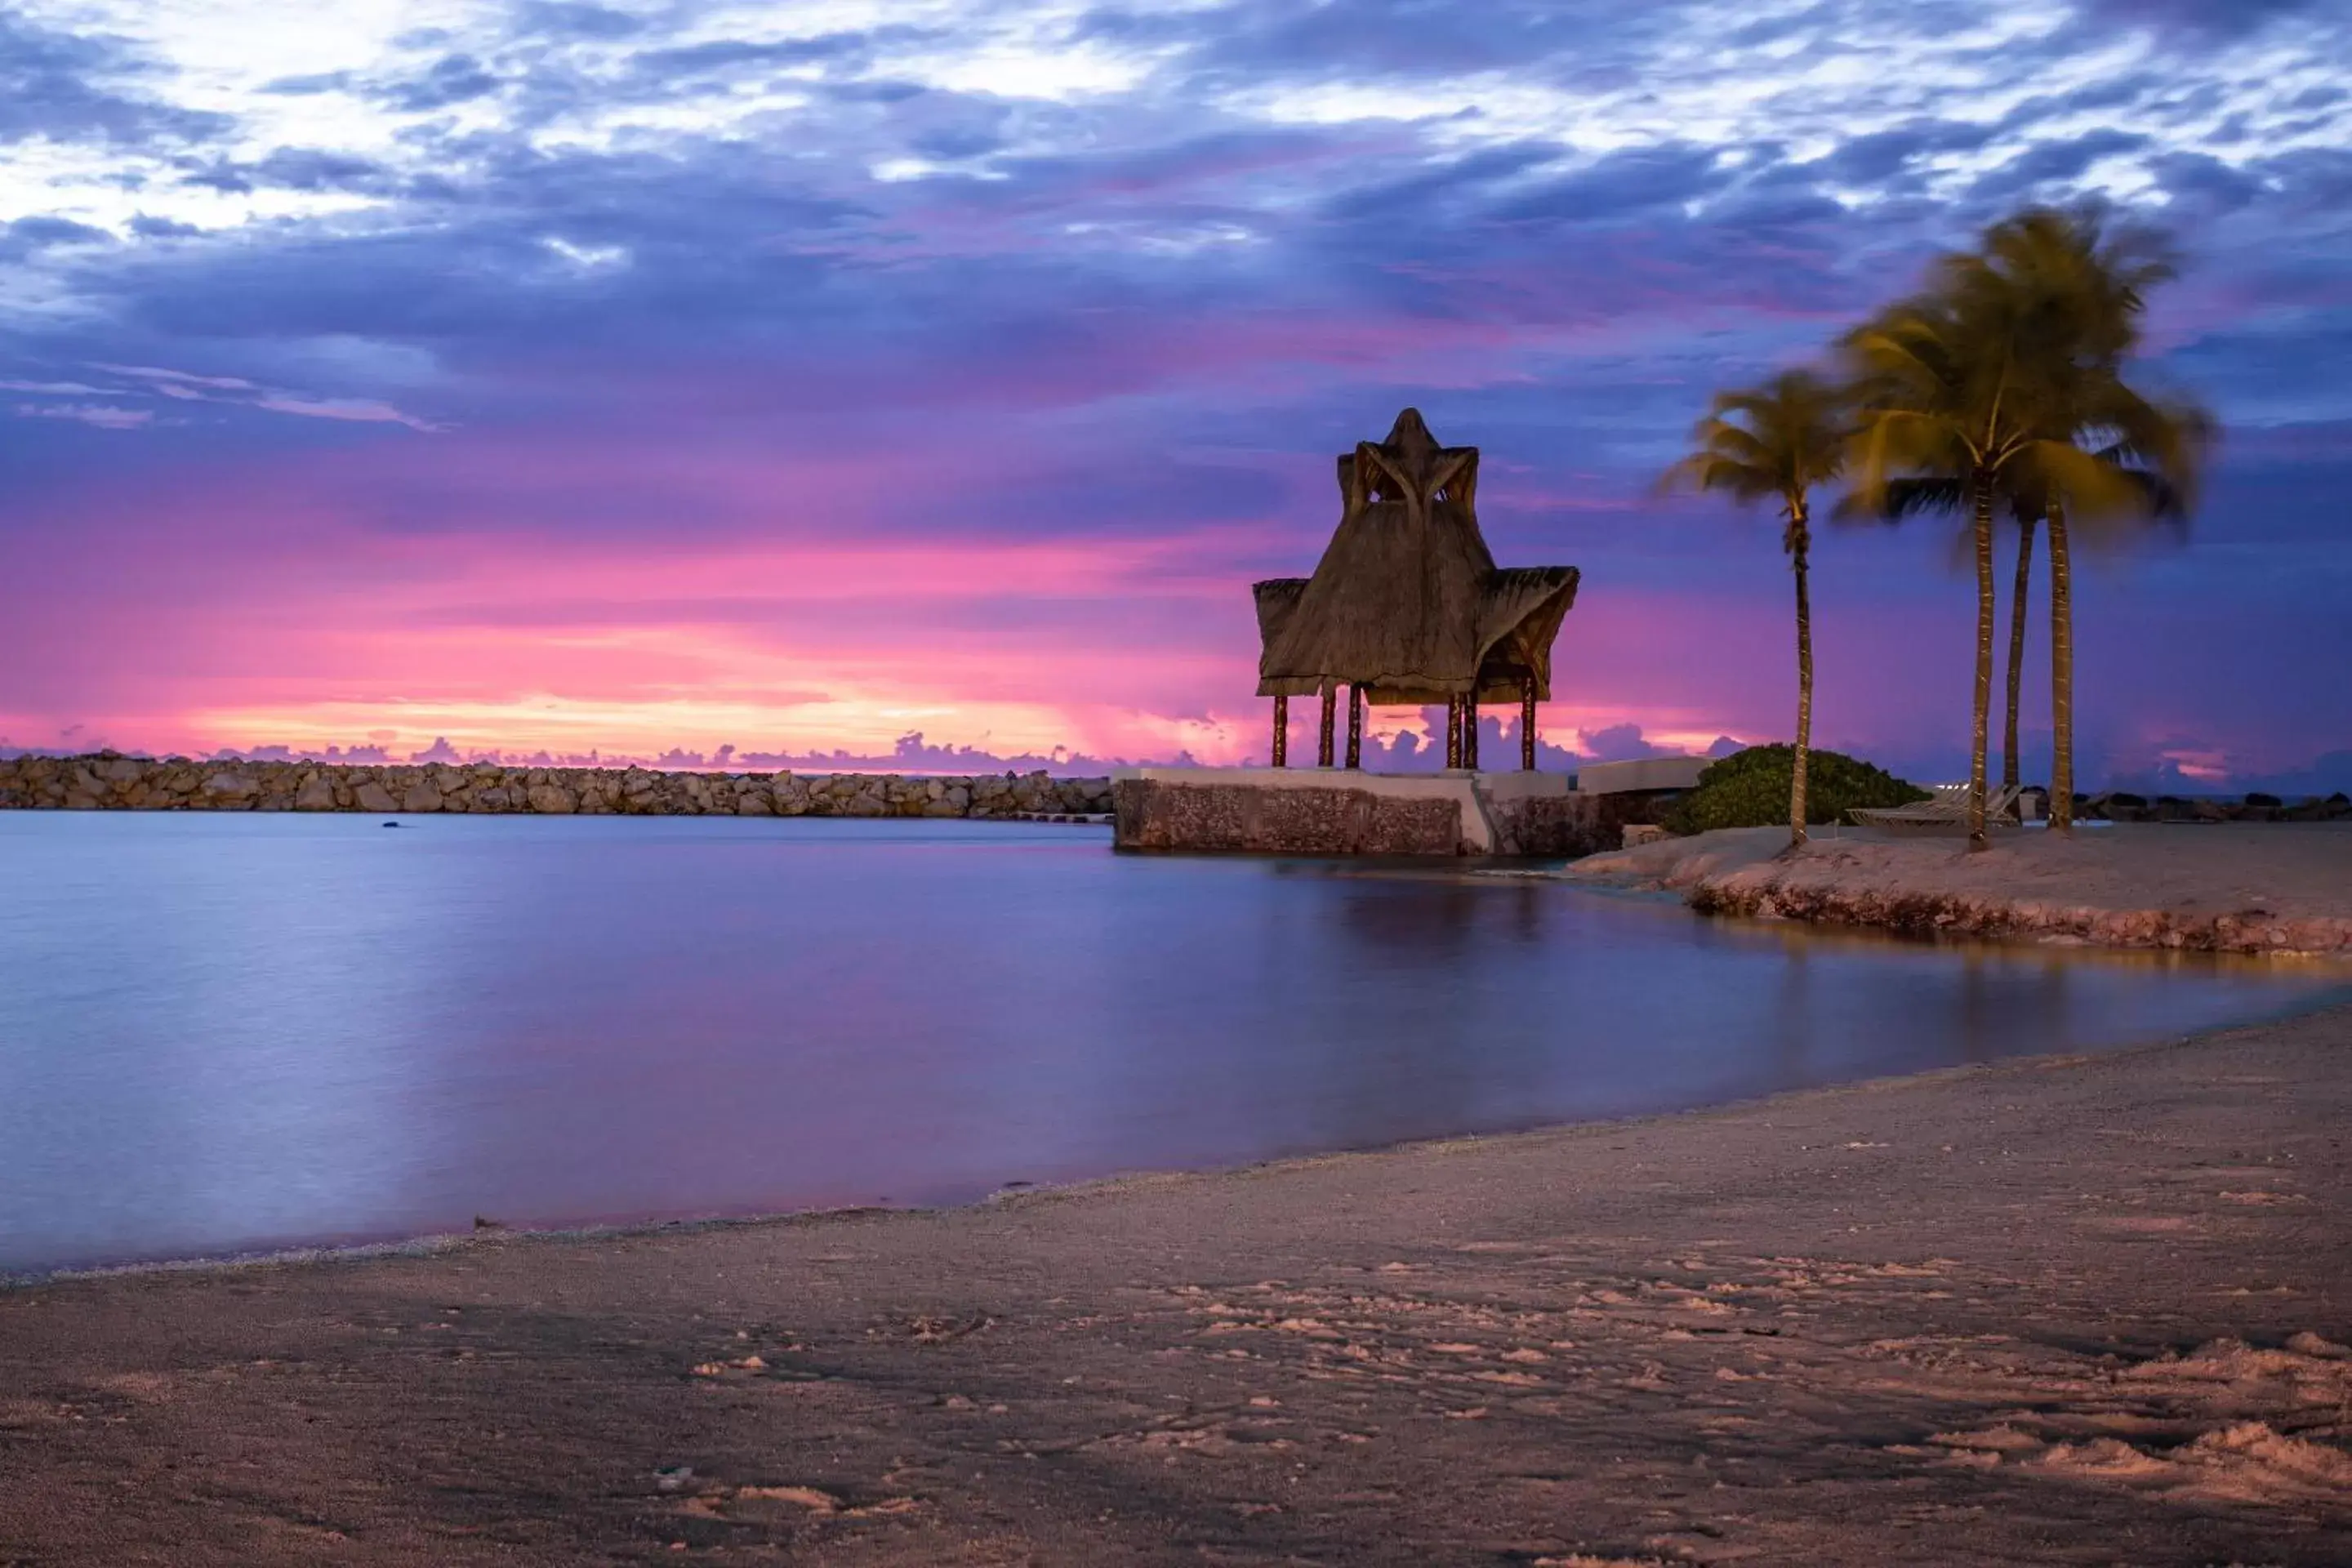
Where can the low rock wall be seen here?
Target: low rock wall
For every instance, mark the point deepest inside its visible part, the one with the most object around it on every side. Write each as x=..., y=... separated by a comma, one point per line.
x=107, y=781
x=1237, y=818
x=1564, y=827
x=1314, y=818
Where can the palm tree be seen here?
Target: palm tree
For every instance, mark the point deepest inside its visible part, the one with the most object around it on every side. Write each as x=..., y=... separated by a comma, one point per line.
x=2078, y=288
x=1902, y=498
x=2009, y=767
x=1776, y=442
x=2003, y=383
x=1948, y=399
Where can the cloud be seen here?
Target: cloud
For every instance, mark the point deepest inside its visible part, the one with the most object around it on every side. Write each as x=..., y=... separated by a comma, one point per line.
x=29, y=237
x=2223, y=17
x=1887, y=158
x=57, y=388
x=61, y=86
x=297, y=169
x=362, y=411
x=450, y=80
x=177, y=377
x=103, y=416
x=188, y=388
x=2056, y=161
x=574, y=19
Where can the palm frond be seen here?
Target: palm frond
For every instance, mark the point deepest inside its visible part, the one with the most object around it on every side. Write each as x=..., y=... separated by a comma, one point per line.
x=1779, y=440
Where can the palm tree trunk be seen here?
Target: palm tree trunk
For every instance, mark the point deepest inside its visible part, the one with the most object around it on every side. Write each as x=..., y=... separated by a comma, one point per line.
x=1798, y=546
x=2009, y=762
x=1981, y=733
x=2062, y=674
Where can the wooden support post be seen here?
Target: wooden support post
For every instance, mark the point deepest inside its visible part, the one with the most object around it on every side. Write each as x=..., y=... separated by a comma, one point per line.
x=1355, y=726
x=1527, y=723
x=1470, y=731
x=1453, y=731
x=1282, y=731
x=1323, y=744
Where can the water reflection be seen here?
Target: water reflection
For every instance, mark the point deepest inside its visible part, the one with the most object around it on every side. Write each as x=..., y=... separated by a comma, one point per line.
x=226, y=1032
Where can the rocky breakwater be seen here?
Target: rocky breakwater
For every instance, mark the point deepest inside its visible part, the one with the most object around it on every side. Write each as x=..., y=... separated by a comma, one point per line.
x=109, y=780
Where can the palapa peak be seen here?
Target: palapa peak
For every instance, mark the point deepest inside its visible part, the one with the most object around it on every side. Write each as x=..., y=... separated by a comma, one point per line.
x=1409, y=432
x=1407, y=604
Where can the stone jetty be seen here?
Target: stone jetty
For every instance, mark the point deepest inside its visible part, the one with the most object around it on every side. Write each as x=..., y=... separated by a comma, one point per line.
x=110, y=780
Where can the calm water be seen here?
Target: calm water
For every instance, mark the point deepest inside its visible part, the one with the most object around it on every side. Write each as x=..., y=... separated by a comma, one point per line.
x=223, y=1033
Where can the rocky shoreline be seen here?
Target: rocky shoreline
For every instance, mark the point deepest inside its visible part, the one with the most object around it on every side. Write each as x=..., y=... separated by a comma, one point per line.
x=1923, y=914
x=107, y=781
x=2277, y=890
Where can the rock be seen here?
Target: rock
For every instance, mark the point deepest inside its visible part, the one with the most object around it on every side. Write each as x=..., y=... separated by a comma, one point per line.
x=105, y=780
x=1637, y=834
x=552, y=800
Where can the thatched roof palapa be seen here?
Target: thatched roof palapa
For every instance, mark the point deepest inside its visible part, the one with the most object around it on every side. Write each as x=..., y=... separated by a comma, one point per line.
x=1407, y=603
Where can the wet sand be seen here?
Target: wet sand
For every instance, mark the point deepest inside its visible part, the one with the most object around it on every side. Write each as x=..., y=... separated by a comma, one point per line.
x=2081, y=1311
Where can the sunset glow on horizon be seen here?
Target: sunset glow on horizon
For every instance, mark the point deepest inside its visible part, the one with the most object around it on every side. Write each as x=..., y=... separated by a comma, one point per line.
x=578, y=378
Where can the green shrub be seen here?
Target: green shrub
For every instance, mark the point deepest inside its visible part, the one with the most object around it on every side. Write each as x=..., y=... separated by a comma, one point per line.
x=1750, y=789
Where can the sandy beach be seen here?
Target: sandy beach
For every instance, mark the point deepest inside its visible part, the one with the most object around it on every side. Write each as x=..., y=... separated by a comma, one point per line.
x=2277, y=888
x=2086, y=1311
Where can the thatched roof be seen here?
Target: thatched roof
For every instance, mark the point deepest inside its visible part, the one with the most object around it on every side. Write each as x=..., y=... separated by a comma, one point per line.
x=1407, y=601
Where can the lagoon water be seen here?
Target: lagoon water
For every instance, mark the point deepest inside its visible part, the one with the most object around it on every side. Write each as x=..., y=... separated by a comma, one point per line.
x=226, y=1033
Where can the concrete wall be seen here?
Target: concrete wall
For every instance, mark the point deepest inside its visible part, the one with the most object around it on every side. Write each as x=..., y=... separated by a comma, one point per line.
x=1317, y=811
x=1640, y=774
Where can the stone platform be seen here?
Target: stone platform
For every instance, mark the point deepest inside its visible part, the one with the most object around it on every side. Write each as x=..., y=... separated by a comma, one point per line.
x=1334, y=811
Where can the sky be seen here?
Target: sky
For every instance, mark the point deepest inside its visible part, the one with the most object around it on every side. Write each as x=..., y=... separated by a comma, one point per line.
x=646, y=379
